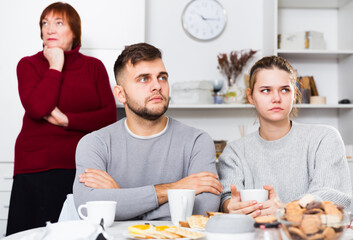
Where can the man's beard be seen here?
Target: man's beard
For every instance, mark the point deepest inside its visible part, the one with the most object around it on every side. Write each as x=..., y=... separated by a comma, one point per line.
x=143, y=111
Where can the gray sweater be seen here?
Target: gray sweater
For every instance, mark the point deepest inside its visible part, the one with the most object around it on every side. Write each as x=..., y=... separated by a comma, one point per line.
x=137, y=164
x=309, y=159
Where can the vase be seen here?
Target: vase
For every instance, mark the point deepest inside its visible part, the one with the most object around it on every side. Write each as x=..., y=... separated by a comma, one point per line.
x=235, y=95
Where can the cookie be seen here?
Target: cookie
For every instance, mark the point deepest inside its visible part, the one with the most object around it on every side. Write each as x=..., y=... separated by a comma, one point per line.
x=339, y=207
x=315, y=204
x=294, y=212
x=314, y=211
x=330, y=220
x=328, y=233
x=331, y=209
x=296, y=231
x=310, y=224
x=316, y=236
x=305, y=200
x=266, y=219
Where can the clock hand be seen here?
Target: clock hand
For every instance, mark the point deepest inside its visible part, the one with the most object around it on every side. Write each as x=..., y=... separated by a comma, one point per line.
x=202, y=17
x=206, y=19
x=215, y=19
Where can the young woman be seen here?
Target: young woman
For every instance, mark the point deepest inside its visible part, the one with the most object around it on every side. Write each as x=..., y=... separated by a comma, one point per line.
x=287, y=158
x=65, y=95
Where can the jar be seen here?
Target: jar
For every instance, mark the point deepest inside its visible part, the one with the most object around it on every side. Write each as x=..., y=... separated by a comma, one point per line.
x=218, y=98
x=267, y=231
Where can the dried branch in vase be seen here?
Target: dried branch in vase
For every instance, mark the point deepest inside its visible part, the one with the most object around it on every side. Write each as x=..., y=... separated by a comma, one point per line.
x=233, y=66
x=224, y=66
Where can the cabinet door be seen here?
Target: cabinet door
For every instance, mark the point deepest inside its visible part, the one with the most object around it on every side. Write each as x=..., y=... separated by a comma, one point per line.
x=6, y=172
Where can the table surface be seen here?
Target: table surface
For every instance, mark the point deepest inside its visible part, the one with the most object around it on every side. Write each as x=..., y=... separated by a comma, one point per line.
x=118, y=229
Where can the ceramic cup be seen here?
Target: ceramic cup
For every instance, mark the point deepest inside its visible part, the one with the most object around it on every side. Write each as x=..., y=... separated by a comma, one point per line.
x=96, y=210
x=260, y=195
x=181, y=204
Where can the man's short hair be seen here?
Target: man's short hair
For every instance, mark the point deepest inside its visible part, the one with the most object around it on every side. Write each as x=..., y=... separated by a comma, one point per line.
x=135, y=53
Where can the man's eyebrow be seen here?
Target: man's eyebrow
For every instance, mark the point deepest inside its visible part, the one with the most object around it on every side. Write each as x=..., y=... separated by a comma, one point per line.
x=143, y=75
x=163, y=73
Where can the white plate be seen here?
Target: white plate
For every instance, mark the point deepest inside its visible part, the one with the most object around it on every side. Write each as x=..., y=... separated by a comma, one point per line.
x=130, y=236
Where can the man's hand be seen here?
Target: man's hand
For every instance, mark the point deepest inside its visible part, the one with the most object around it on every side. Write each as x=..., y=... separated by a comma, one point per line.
x=57, y=118
x=273, y=203
x=55, y=57
x=200, y=182
x=95, y=178
x=235, y=205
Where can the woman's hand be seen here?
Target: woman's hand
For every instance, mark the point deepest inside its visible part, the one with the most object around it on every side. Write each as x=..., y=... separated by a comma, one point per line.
x=55, y=57
x=235, y=205
x=95, y=178
x=273, y=203
x=57, y=118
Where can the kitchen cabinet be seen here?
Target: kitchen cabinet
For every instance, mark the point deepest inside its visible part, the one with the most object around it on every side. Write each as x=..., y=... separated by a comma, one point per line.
x=331, y=67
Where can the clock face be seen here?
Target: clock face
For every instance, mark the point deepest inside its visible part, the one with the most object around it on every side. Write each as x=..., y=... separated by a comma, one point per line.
x=204, y=19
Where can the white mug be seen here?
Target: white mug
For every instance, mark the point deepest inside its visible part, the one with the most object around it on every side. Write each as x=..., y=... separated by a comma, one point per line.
x=181, y=204
x=260, y=195
x=96, y=210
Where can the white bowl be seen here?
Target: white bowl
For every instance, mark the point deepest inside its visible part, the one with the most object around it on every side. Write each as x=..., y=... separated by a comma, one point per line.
x=230, y=223
x=230, y=227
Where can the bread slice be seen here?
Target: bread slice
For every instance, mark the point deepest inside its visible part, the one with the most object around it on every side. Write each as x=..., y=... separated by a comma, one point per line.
x=185, y=232
x=169, y=235
x=184, y=224
x=155, y=234
x=197, y=221
x=210, y=214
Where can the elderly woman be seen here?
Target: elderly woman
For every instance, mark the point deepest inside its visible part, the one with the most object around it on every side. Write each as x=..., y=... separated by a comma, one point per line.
x=65, y=95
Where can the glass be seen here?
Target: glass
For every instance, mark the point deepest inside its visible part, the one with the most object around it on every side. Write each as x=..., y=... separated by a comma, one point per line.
x=267, y=231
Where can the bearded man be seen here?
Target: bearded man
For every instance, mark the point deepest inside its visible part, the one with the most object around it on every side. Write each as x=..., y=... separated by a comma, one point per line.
x=137, y=159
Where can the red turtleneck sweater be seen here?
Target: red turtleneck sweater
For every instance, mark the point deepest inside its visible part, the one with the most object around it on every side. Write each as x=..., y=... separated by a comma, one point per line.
x=81, y=91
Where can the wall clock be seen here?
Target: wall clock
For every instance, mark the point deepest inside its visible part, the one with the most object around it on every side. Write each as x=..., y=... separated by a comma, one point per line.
x=204, y=19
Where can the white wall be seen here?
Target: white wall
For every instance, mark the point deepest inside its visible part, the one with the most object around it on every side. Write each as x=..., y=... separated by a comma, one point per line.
x=111, y=24
x=189, y=59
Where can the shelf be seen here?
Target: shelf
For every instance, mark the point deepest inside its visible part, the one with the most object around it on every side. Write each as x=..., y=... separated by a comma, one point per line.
x=249, y=106
x=209, y=106
x=324, y=106
x=312, y=3
x=315, y=54
x=203, y=106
